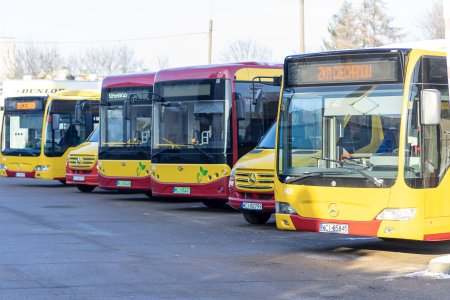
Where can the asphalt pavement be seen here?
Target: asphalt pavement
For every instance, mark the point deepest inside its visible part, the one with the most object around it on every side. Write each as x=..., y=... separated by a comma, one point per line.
x=59, y=243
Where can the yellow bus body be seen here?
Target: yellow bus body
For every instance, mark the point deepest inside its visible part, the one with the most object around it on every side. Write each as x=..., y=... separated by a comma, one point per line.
x=359, y=207
x=55, y=166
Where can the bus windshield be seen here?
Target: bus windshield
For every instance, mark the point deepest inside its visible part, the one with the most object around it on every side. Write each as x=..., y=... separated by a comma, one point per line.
x=192, y=117
x=22, y=133
x=268, y=139
x=22, y=126
x=340, y=133
x=126, y=115
x=68, y=124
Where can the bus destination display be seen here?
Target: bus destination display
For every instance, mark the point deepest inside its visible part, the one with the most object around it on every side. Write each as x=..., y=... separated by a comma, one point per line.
x=320, y=72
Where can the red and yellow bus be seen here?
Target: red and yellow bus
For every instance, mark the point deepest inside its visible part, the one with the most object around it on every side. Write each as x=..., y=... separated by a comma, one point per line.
x=363, y=144
x=125, y=132
x=39, y=132
x=204, y=119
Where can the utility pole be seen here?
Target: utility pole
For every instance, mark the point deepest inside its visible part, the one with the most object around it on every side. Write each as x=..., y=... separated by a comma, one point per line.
x=302, y=26
x=210, y=30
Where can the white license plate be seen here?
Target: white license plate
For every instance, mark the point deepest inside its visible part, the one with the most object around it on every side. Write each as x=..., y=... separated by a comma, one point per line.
x=78, y=178
x=19, y=174
x=123, y=183
x=334, y=228
x=182, y=190
x=251, y=206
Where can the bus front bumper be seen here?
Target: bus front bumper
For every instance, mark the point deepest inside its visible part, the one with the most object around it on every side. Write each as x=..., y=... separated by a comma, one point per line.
x=252, y=201
x=124, y=183
x=217, y=189
x=84, y=177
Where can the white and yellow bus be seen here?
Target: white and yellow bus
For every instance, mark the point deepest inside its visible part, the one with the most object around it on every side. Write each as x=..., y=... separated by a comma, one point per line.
x=363, y=143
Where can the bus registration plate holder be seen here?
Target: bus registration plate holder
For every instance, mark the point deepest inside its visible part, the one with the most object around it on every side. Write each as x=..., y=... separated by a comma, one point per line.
x=334, y=228
x=78, y=178
x=251, y=206
x=123, y=183
x=20, y=174
x=182, y=190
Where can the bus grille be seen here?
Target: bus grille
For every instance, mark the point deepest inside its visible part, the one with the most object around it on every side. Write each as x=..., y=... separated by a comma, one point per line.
x=82, y=161
x=254, y=180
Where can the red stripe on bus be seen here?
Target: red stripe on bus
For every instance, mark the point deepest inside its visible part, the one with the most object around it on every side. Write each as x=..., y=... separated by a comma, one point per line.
x=364, y=228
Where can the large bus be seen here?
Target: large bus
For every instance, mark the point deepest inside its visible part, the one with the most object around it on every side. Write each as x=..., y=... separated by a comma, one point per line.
x=204, y=119
x=363, y=143
x=39, y=132
x=125, y=132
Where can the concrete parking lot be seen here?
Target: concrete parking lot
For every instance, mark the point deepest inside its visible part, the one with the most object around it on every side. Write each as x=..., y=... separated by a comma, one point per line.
x=58, y=243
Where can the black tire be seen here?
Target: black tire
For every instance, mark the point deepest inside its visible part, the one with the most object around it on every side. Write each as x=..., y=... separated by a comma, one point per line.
x=85, y=188
x=63, y=181
x=215, y=203
x=256, y=217
x=148, y=194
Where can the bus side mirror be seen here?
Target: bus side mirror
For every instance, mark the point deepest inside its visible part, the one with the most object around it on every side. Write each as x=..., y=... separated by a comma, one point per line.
x=430, y=107
x=56, y=121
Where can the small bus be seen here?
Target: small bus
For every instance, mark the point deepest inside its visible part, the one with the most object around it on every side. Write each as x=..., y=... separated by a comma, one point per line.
x=39, y=132
x=204, y=119
x=363, y=143
x=124, y=155
x=251, y=181
x=81, y=167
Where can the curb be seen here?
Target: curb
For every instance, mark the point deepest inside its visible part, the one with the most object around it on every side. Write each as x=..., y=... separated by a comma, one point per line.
x=439, y=265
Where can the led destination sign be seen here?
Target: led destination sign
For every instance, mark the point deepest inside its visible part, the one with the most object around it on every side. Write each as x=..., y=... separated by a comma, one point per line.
x=12, y=104
x=334, y=71
x=25, y=105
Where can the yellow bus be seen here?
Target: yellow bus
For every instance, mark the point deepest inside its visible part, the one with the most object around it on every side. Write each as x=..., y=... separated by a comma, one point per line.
x=363, y=143
x=39, y=132
x=204, y=119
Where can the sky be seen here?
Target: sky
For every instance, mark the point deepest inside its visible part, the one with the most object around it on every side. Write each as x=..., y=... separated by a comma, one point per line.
x=176, y=30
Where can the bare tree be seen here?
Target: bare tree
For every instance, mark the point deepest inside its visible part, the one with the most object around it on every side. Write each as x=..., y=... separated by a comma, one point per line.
x=432, y=23
x=245, y=50
x=41, y=62
x=343, y=28
x=105, y=61
x=365, y=26
x=162, y=62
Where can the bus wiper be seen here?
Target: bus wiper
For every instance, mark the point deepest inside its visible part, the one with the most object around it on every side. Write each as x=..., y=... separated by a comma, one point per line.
x=199, y=149
x=21, y=151
x=342, y=163
x=310, y=174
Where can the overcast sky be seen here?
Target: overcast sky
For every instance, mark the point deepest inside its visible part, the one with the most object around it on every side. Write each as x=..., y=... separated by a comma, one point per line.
x=177, y=29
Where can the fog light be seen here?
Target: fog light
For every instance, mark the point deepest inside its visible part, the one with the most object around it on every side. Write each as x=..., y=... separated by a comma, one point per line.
x=397, y=214
x=285, y=208
x=3, y=167
x=388, y=230
x=42, y=168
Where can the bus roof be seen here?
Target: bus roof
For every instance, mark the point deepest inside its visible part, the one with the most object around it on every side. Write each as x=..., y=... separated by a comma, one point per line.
x=76, y=93
x=430, y=45
x=225, y=71
x=125, y=80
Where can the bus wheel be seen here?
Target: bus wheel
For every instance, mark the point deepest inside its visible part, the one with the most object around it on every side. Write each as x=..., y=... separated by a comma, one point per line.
x=63, y=181
x=85, y=188
x=148, y=194
x=215, y=203
x=256, y=217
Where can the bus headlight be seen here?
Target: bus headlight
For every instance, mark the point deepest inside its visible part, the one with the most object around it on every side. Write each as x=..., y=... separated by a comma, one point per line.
x=231, y=181
x=41, y=168
x=3, y=167
x=397, y=214
x=285, y=208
